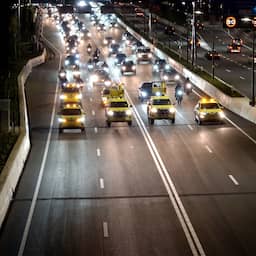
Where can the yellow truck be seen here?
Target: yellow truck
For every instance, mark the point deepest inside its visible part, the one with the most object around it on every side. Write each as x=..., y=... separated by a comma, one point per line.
x=109, y=92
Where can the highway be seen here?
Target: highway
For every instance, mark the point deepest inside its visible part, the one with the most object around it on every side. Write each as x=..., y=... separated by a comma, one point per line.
x=169, y=189
x=233, y=68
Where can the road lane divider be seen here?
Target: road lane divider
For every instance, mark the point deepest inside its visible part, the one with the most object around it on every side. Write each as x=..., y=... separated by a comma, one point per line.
x=42, y=166
x=105, y=229
x=189, y=231
x=93, y=112
x=95, y=129
x=190, y=127
x=98, y=152
x=208, y=149
x=233, y=179
x=102, y=183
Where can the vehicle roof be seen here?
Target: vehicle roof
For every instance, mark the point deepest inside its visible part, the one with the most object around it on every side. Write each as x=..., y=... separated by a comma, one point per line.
x=118, y=100
x=163, y=97
x=207, y=100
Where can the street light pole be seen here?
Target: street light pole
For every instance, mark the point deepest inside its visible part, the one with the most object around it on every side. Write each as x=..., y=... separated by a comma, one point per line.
x=213, y=61
x=252, y=103
x=193, y=35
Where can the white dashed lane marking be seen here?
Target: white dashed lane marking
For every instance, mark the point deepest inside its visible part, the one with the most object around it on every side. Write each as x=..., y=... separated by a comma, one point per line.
x=98, y=152
x=228, y=70
x=233, y=180
x=208, y=149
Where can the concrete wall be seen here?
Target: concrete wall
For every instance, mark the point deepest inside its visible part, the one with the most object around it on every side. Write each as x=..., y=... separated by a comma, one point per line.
x=240, y=106
x=10, y=174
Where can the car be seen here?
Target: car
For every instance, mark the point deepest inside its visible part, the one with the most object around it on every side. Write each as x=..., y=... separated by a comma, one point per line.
x=71, y=116
x=71, y=61
x=114, y=49
x=170, y=76
x=151, y=88
x=237, y=41
x=144, y=54
x=126, y=35
x=160, y=107
x=135, y=45
x=233, y=48
x=199, y=25
x=169, y=30
x=101, y=27
x=108, y=40
x=160, y=65
x=118, y=110
x=197, y=42
x=120, y=57
x=212, y=55
x=128, y=66
x=71, y=93
x=208, y=110
x=110, y=92
x=100, y=77
x=113, y=24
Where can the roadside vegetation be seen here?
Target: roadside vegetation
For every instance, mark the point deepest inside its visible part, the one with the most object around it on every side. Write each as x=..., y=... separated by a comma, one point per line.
x=18, y=48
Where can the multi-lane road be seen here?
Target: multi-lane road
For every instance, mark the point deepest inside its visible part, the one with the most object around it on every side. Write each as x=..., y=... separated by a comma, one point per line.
x=168, y=189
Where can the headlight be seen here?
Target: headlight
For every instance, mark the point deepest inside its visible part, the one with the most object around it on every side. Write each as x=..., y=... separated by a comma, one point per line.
x=110, y=113
x=127, y=41
x=77, y=61
x=123, y=68
x=222, y=114
x=133, y=67
x=66, y=62
x=77, y=55
x=80, y=120
x=128, y=112
x=111, y=50
x=188, y=85
x=144, y=94
x=62, y=74
x=61, y=120
x=165, y=77
x=105, y=41
x=167, y=66
x=172, y=110
x=150, y=55
x=89, y=34
x=153, y=110
x=119, y=49
x=79, y=96
x=113, y=41
x=180, y=92
x=158, y=93
x=95, y=78
x=155, y=67
x=202, y=114
x=140, y=55
x=104, y=99
x=177, y=77
x=76, y=73
x=107, y=83
x=63, y=97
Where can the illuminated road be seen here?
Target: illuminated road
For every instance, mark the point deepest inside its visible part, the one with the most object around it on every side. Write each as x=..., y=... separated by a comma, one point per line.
x=106, y=192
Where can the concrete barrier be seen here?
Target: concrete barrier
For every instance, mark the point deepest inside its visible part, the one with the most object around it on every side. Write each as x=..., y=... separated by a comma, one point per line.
x=240, y=106
x=13, y=168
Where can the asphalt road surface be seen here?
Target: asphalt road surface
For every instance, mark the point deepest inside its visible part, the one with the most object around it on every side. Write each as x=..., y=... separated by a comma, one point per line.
x=169, y=189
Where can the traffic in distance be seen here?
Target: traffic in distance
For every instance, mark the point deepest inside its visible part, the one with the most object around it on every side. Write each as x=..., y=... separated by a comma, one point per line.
x=160, y=106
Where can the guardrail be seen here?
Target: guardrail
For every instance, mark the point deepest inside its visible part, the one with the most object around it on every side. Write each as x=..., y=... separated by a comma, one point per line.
x=15, y=163
x=238, y=105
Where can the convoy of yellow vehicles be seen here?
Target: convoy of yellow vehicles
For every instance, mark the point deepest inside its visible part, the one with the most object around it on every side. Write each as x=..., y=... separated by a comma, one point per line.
x=118, y=109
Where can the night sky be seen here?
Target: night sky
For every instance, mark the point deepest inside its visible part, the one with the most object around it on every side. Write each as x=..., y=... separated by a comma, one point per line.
x=239, y=6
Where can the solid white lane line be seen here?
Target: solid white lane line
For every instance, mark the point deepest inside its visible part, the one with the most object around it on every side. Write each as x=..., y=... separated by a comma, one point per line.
x=233, y=179
x=241, y=77
x=41, y=172
x=90, y=99
x=105, y=229
x=95, y=129
x=189, y=231
x=93, y=112
x=98, y=152
x=101, y=183
x=228, y=70
x=241, y=130
x=208, y=149
x=190, y=127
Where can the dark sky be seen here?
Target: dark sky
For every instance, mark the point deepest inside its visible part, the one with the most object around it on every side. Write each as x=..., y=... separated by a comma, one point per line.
x=239, y=6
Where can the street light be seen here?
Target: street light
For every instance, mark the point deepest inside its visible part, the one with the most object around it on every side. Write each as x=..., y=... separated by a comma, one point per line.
x=193, y=35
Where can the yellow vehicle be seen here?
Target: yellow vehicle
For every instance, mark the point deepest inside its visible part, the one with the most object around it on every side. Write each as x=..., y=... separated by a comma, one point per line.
x=207, y=110
x=118, y=110
x=71, y=116
x=113, y=91
x=71, y=93
x=151, y=88
x=160, y=107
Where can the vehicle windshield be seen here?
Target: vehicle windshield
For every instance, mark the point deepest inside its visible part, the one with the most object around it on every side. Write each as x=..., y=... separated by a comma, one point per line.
x=146, y=85
x=209, y=105
x=71, y=112
x=161, y=62
x=144, y=50
x=128, y=63
x=70, y=90
x=162, y=102
x=119, y=104
x=106, y=91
